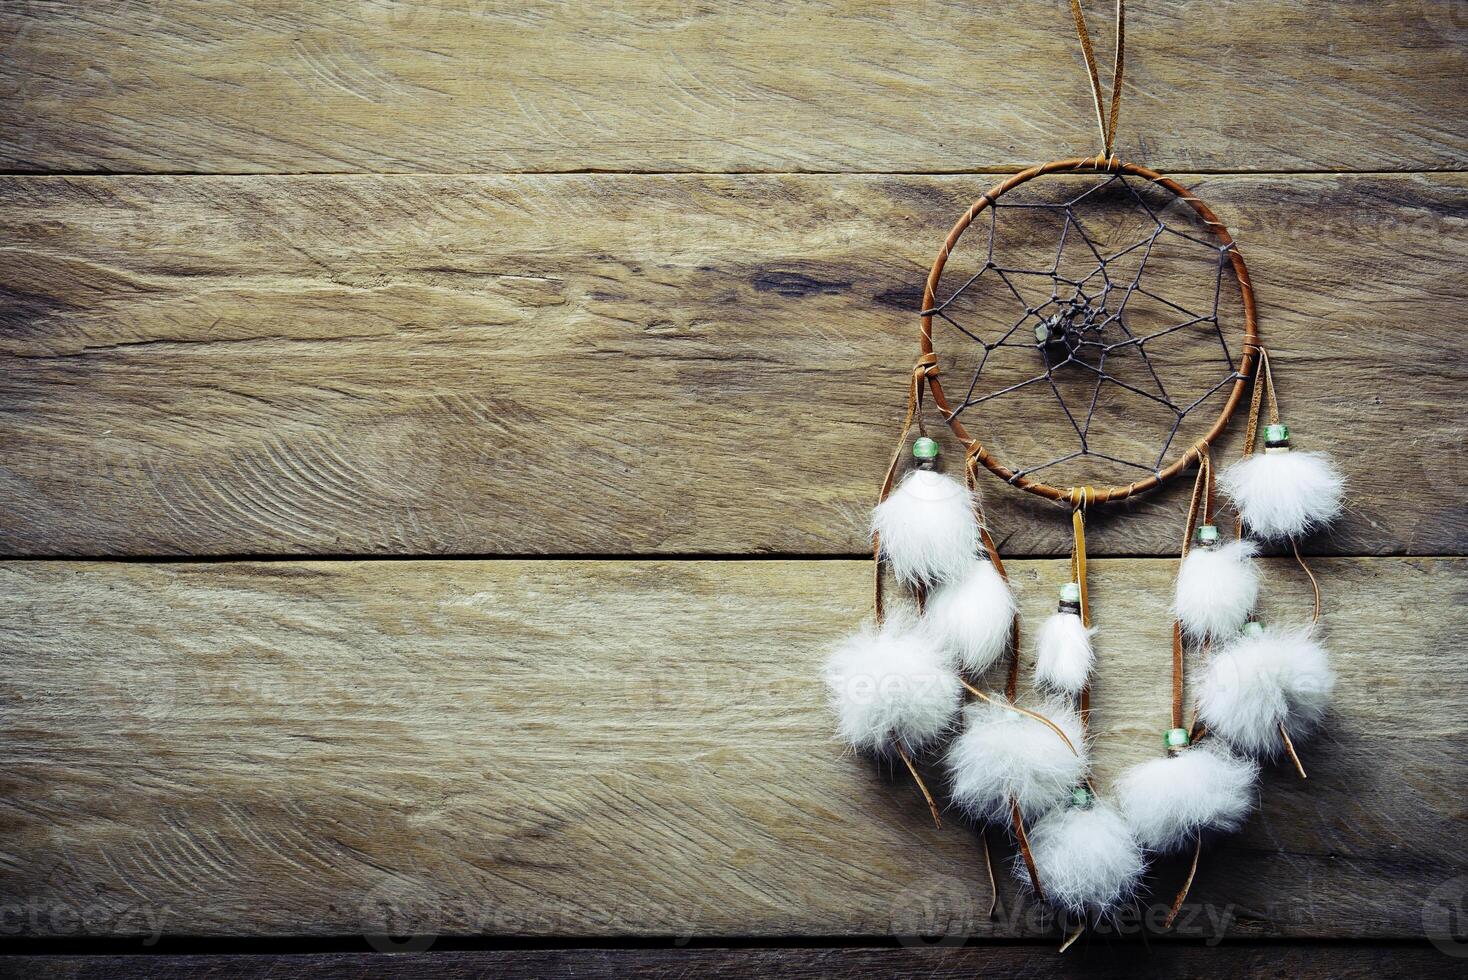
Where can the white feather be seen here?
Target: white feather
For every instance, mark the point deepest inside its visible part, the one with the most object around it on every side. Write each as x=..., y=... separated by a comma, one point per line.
x=892, y=686
x=927, y=528
x=1063, y=653
x=1003, y=754
x=1284, y=494
x=1086, y=859
x=973, y=616
x=1166, y=801
x=1257, y=683
x=1216, y=589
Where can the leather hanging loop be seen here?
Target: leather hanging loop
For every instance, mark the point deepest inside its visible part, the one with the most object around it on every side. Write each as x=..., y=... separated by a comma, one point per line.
x=1105, y=121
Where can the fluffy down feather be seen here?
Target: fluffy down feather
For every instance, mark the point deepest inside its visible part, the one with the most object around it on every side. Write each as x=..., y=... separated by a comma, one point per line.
x=1086, y=859
x=973, y=616
x=927, y=528
x=1257, y=683
x=1216, y=589
x=1284, y=495
x=1165, y=801
x=1063, y=653
x=1003, y=754
x=891, y=685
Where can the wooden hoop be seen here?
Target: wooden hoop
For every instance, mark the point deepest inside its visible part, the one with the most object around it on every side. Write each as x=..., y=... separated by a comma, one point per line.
x=1096, y=165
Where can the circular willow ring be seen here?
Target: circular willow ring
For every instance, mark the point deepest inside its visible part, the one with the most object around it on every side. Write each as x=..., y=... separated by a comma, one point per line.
x=1095, y=165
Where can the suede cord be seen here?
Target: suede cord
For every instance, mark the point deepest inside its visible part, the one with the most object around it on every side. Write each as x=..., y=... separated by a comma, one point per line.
x=925, y=368
x=1200, y=505
x=1079, y=498
x=1106, y=123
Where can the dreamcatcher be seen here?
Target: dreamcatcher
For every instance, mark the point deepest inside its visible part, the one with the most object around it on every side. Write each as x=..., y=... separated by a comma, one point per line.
x=1104, y=305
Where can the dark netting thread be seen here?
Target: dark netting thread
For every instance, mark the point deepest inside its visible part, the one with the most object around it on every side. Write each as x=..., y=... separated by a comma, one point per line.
x=1077, y=317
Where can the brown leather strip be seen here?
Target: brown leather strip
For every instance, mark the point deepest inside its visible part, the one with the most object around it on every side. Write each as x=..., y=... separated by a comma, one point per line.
x=1290, y=748
x=1202, y=490
x=932, y=804
x=1070, y=940
x=1251, y=429
x=1088, y=51
x=1269, y=388
x=1177, y=675
x=1080, y=496
x=1182, y=895
x=989, y=868
x=1078, y=556
x=925, y=368
x=1210, y=491
x=1117, y=65
x=1009, y=706
x=1024, y=847
x=1314, y=583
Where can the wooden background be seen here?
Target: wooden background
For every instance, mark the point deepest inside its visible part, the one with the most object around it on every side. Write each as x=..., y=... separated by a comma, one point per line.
x=437, y=438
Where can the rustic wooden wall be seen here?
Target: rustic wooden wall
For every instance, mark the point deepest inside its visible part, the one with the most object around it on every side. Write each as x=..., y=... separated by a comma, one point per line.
x=437, y=437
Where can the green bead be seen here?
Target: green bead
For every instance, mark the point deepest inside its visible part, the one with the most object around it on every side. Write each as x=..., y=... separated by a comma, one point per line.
x=1042, y=333
x=1253, y=628
x=1081, y=797
x=1207, y=535
x=1176, y=738
x=925, y=448
x=1277, y=432
x=1070, y=592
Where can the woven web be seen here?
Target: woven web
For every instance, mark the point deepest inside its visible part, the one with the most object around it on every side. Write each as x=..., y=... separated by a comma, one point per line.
x=1105, y=329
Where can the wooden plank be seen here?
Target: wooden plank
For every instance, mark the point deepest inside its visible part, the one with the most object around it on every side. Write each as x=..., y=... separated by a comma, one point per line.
x=614, y=364
x=1356, y=962
x=645, y=85
x=551, y=748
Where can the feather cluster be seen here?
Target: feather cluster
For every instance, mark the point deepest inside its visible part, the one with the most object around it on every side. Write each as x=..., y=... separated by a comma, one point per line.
x=1005, y=755
x=1085, y=857
x=1256, y=684
x=1166, y=801
x=973, y=615
x=1284, y=494
x=1063, y=653
x=927, y=528
x=1216, y=589
x=891, y=686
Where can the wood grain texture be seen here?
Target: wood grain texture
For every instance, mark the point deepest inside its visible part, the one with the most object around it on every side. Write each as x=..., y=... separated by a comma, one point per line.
x=622, y=364
x=553, y=748
x=1096, y=961
x=761, y=85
